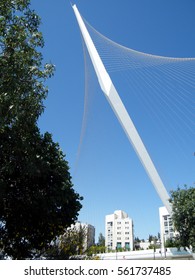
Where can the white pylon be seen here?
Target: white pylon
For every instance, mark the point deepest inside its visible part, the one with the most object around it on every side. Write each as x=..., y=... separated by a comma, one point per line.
x=120, y=111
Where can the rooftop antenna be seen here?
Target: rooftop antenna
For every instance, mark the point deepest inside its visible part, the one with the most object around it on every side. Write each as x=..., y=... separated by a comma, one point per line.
x=121, y=113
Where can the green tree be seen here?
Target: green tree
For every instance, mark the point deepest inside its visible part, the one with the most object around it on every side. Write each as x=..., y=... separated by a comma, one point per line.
x=96, y=249
x=22, y=73
x=183, y=205
x=93, y=250
x=37, y=199
x=99, y=247
x=137, y=243
x=150, y=238
x=101, y=240
x=172, y=242
x=137, y=240
x=69, y=245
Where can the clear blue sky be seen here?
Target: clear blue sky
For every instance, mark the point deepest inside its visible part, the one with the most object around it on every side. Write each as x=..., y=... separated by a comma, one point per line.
x=108, y=174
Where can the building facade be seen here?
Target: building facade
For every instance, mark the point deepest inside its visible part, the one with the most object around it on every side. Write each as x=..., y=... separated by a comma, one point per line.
x=166, y=226
x=118, y=231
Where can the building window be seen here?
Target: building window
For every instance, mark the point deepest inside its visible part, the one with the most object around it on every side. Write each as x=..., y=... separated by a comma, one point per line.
x=118, y=232
x=127, y=245
x=127, y=232
x=118, y=223
x=118, y=245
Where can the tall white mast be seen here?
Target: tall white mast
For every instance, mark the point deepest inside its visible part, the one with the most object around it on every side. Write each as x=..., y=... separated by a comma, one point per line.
x=122, y=114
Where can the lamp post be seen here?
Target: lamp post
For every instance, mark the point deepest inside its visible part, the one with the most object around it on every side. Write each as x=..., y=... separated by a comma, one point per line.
x=165, y=249
x=154, y=247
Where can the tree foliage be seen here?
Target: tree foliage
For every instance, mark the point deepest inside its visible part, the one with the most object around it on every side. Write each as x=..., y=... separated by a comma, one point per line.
x=183, y=204
x=101, y=240
x=99, y=247
x=172, y=242
x=69, y=245
x=96, y=249
x=22, y=71
x=37, y=199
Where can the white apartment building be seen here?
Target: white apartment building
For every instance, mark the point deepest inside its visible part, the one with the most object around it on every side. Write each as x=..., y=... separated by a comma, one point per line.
x=166, y=226
x=118, y=231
